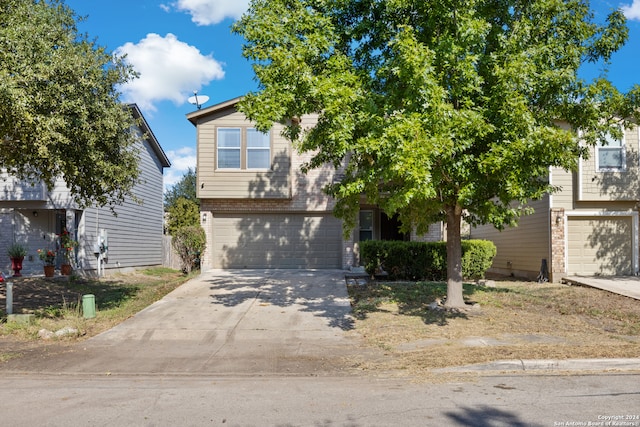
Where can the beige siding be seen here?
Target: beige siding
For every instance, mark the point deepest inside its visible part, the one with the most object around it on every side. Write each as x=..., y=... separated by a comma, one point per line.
x=616, y=186
x=230, y=184
x=522, y=248
x=564, y=198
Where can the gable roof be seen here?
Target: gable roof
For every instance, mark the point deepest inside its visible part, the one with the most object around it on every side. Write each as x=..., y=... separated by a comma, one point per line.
x=194, y=116
x=155, y=145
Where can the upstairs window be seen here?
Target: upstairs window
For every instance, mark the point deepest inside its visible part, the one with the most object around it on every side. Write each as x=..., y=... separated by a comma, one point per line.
x=229, y=142
x=258, y=149
x=243, y=148
x=610, y=155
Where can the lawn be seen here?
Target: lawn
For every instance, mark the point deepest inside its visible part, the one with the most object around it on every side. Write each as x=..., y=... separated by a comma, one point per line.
x=510, y=320
x=57, y=303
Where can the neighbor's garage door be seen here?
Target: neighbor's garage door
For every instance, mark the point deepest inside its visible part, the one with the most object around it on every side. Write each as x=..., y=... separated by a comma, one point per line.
x=276, y=241
x=600, y=246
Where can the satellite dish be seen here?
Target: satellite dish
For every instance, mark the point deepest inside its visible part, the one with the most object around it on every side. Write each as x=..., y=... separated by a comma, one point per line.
x=198, y=100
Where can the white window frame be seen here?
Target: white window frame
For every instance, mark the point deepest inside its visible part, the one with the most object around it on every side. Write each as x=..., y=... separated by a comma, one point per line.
x=609, y=147
x=219, y=148
x=256, y=149
x=243, y=149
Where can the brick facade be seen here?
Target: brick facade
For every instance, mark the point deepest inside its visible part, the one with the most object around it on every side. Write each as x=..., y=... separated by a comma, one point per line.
x=558, y=255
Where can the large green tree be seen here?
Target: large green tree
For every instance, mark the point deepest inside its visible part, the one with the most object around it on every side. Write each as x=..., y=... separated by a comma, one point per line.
x=438, y=110
x=60, y=114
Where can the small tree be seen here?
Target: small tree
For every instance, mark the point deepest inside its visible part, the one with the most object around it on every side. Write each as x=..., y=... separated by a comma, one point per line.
x=185, y=188
x=189, y=242
x=183, y=213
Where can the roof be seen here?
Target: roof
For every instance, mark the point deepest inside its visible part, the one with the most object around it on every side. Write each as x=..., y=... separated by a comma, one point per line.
x=194, y=116
x=155, y=145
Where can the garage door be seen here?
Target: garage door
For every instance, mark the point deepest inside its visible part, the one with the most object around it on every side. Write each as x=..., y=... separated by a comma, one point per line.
x=276, y=241
x=600, y=246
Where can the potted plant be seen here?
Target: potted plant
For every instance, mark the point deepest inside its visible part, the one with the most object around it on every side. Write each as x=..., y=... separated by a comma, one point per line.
x=48, y=257
x=67, y=246
x=17, y=252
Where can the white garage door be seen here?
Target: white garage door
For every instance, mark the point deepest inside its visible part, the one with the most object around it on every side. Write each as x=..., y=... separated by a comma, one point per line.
x=276, y=241
x=600, y=246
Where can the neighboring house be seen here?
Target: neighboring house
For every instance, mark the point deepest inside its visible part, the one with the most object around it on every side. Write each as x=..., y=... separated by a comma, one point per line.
x=589, y=227
x=31, y=215
x=260, y=211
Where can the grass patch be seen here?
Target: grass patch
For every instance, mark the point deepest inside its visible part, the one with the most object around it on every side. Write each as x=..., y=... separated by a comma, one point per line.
x=58, y=304
x=514, y=320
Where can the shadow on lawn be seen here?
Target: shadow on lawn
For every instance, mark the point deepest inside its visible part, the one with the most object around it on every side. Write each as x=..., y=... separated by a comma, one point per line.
x=35, y=294
x=412, y=299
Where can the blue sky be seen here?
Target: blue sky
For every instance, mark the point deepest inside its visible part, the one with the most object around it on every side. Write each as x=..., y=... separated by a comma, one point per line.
x=179, y=46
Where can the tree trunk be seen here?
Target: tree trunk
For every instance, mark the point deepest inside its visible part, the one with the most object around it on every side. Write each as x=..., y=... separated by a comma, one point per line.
x=454, y=258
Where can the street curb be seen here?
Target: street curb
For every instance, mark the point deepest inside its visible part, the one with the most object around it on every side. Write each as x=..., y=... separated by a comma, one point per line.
x=551, y=365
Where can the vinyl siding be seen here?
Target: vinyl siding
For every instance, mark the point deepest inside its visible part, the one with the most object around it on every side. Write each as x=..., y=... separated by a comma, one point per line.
x=520, y=249
x=612, y=186
x=239, y=184
x=565, y=197
x=135, y=234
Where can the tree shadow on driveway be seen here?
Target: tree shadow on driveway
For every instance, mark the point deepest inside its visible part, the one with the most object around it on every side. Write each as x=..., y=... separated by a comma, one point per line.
x=321, y=293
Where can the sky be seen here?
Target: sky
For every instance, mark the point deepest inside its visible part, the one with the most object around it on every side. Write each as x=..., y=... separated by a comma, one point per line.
x=183, y=46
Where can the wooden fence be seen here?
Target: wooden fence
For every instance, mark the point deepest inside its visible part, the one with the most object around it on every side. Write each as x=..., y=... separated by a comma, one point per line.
x=170, y=258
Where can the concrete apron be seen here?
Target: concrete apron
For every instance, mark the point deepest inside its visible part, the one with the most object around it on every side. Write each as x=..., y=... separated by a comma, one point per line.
x=240, y=322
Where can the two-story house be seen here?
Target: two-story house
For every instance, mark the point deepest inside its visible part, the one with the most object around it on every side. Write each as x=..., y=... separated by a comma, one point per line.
x=35, y=217
x=260, y=211
x=589, y=227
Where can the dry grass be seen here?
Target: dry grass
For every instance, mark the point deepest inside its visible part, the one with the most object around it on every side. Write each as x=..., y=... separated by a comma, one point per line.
x=56, y=304
x=514, y=320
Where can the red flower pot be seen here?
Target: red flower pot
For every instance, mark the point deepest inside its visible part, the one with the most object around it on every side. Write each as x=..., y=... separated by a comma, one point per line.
x=16, y=266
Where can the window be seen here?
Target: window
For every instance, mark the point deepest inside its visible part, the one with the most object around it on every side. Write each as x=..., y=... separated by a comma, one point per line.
x=243, y=148
x=366, y=225
x=610, y=154
x=258, y=149
x=228, y=148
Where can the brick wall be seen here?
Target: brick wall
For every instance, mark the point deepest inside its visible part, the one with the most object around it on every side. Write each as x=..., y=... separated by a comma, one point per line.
x=557, y=264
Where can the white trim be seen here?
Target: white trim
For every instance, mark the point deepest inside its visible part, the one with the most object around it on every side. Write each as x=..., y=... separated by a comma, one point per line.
x=635, y=224
x=623, y=155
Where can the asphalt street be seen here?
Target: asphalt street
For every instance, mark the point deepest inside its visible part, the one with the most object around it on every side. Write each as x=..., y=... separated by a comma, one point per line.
x=197, y=400
x=273, y=348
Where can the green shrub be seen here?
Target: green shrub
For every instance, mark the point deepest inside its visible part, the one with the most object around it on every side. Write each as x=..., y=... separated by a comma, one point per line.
x=189, y=242
x=424, y=260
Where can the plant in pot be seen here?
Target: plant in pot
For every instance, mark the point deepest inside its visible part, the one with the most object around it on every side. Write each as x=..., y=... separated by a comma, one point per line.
x=67, y=246
x=48, y=257
x=17, y=252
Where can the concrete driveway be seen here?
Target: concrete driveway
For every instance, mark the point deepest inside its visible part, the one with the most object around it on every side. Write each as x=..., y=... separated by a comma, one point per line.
x=628, y=286
x=229, y=322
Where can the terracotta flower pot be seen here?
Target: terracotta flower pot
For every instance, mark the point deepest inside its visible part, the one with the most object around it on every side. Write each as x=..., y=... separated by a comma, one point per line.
x=49, y=270
x=65, y=269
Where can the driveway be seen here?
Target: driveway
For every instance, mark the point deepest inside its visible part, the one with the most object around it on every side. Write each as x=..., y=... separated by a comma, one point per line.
x=628, y=286
x=229, y=322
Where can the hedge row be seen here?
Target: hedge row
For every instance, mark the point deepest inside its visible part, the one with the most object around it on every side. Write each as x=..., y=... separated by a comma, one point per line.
x=424, y=260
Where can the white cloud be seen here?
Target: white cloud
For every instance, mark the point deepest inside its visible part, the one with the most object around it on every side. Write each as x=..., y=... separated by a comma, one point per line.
x=181, y=160
x=632, y=11
x=168, y=70
x=207, y=12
